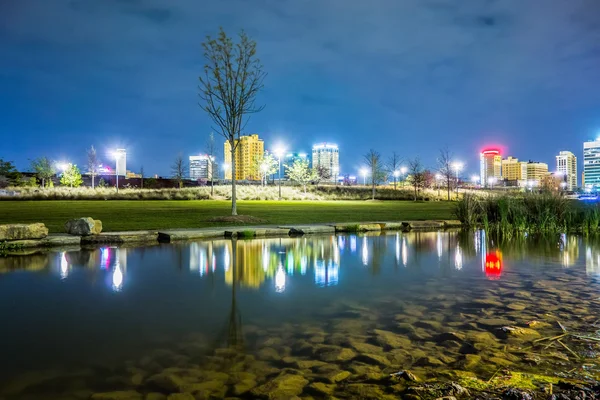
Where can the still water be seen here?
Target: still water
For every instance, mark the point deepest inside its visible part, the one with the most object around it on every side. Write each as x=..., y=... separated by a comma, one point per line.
x=107, y=319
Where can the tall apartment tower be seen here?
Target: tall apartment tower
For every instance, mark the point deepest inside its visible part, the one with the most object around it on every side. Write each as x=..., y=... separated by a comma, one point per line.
x=566, y=165
x=248, y=149
x=591, y=164
x=327, y=155
x=490, y=170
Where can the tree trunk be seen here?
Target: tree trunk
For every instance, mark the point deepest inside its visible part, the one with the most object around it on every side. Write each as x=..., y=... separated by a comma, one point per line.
x=394, y=183
x=448, y=186
x=92, y=180
x=373, y=194
x=415, y=192
x=233, y=193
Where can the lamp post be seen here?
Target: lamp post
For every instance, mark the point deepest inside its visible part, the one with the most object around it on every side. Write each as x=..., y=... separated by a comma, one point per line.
x=279, y=153
x=403, y=171
x=116, y=156
x=438, y=178
x=363, y=172
x=396, y=175
x=457, y=166
x=226, y=167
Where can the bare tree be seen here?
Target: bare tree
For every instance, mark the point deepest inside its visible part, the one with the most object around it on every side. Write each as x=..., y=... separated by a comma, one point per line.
x=142, y=177
x=179, y=170
x=322, y=174
x=233, y=76
x=417, y=178
x=211, y=151
x=373, y=161
x=93, y=163
x=393, y=166
x=445, y=168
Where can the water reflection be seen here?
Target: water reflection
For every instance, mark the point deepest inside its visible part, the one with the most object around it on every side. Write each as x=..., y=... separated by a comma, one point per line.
x=282, y=260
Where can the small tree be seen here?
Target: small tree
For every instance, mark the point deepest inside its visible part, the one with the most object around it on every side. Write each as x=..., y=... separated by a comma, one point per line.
x=44, y=170
x=445, y=168
x=71, y=177
x=265, y=165
x=393, y=167
x=8, y=174
x=92, y=164
x=233, y=77
x=301, y=173
x=102, y=183
x=417, y=178
x=322, y=174
x=211, y=150
x=179, y=170
x=373, y=161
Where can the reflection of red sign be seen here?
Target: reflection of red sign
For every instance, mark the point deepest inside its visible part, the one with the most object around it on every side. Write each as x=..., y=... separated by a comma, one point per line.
x=493, y=265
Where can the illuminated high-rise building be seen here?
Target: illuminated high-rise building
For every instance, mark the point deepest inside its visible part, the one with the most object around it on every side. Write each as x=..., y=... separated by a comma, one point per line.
x=248, y=149
x=591, y=164
x=566, y=165
x=512, y=170
x=290, y=159
x=201, y=167
x=120, y=162
x=536, y=172
x=490, y=167
x=327, y=157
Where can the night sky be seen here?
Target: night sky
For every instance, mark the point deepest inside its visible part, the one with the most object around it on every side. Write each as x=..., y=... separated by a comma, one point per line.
x=403, y=75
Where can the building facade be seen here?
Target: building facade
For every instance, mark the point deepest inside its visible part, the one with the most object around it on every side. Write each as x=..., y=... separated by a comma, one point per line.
x=248, y=149
x=512, y=170
x=536, y=172
x=490, y=167
x=327, y=156
x=566, y=166
x=591, y=164
x=121, y=162
x=201, y=167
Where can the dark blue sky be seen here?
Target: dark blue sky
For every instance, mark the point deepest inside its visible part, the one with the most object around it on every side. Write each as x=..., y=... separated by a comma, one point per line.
x=403, y=75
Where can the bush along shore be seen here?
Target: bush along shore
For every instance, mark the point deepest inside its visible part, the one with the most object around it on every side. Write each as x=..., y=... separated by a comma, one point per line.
x=244, y=192
x=528, y=213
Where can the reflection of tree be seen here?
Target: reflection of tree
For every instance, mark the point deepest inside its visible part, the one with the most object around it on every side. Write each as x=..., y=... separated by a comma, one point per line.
x=232, y=335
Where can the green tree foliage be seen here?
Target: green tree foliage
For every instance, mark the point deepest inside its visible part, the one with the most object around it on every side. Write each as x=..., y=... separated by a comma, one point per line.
x=301, y=173
x=44, y=170
x=8, y=173
x=102, y=183
x=264, y=166
x=232, y=78
x=71, y=177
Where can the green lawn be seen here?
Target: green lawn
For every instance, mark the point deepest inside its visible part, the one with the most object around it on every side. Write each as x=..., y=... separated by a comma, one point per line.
x=118, y=215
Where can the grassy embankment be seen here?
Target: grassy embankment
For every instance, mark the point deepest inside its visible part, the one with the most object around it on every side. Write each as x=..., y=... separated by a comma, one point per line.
x=120, y=215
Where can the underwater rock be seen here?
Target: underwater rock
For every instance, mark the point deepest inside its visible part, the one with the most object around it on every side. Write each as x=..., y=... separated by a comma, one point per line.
x=390, y=339
x=155, y=396
x=493, y=322
x=406, y=375
x=449, y=336
x=268, y=354
x=367, y=392
x=121, y=395
x=373, y=359
x=330, y=353
x=283, y=387
x=181, y=396
x=320, y=388
x=522, y=333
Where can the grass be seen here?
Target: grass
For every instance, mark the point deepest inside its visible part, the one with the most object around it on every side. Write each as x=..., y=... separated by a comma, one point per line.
x=121, y=215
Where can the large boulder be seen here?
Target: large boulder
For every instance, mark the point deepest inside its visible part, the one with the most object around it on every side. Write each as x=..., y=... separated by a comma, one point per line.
x=83, y=226
x=23, y=231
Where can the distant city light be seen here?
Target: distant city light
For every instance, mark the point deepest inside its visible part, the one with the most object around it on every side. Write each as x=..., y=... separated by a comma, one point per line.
x=403, y=170
x=63, y=166
x=396, y=173
x=457, y=166
x=279, y=151
x=475, y=179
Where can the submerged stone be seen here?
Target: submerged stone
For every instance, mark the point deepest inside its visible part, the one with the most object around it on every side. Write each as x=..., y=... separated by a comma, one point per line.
x=120, y=395
x=282, y=387
x=390, y=339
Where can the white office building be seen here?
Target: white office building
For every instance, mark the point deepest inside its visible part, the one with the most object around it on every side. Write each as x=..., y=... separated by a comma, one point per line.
x=591, y=164
x=566, y=165
x=121, y=162
x=200, y=167
x=327, y=156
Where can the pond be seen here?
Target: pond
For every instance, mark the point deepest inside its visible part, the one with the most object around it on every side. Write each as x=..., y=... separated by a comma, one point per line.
x=310, y=316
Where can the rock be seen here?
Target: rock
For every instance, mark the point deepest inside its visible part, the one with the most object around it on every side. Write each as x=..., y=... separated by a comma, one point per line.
x=538, y=324
x=428, y=361
x=390, y=339
x=321, y=389
x=449, y=336
x=471, y=361
x=181, y=396
x=522, y=333
x=155, y=396
x=83, y=226
x=362, y=347
x=334, y=354
x=406, y=375
x=516, y=394
x=336, y=376
x=23, y=231
x=243, y=386
x=283, y=387
x=268, y=354
x=493, y=322
x=373, y=359
x=516, y=306
x=367, y=392
x=122, y=395
x=429, y=325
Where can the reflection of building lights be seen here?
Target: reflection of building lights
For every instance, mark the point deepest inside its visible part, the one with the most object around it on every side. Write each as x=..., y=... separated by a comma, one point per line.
x=365, y=251
x=439, y=245
x=458, y=258
x=117, y=278
x=104, y=257
x=64, y=266
x=203, y=263
x=226, y=258
x=194, y=257
x=265, y=258
x=326, y=275
x=303, y=265
x=341, y=242
x=214, y=263
x=493, y=265
x=404, y=252
x=397, y=248
x=353, y=244
x=280, y=280
x=290, y=263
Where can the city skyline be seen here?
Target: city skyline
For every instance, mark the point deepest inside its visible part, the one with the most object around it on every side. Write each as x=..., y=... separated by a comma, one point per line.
x=449, y=82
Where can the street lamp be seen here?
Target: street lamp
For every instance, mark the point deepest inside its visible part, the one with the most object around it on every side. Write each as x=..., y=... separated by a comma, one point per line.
x=396, y=175
x=115, y=154
x=279, y=153
x=263, y=169
x=226, y=167
x=474, y=179
x=403, y=171
x=364, y=172
x=491, y=182
x=457, y=166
